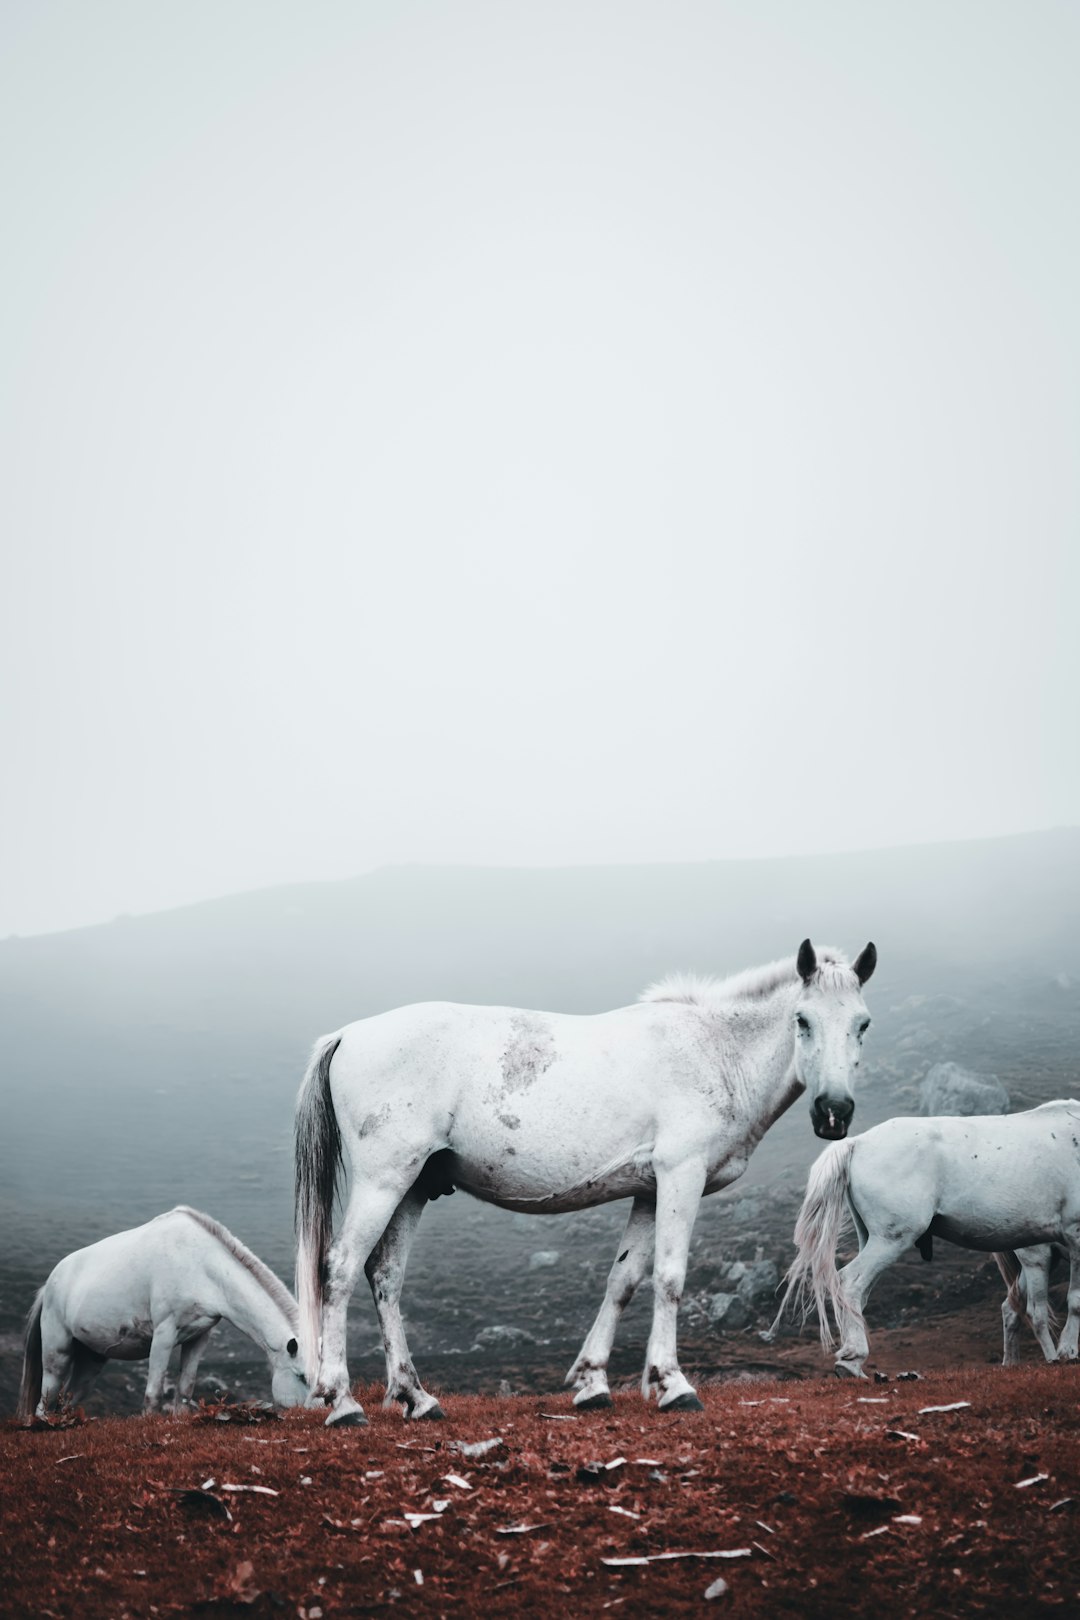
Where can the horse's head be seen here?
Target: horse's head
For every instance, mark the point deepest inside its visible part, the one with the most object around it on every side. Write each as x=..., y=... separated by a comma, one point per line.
x=830, y=1022
x=289, y=1384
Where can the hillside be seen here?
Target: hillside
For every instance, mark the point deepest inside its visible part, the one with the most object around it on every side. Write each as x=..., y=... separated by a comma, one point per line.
x=155, y=1060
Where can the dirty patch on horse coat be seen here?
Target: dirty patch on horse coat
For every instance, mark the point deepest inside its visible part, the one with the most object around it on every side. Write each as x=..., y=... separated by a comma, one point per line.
x=529, y=1052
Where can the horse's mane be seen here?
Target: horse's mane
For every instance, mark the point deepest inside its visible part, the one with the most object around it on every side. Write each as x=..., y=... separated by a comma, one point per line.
x=752, y=984
x=250, y=1262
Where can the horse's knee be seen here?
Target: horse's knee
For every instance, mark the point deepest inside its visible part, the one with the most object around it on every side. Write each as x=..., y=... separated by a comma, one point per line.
x=669, y=1281
x=620, y=1293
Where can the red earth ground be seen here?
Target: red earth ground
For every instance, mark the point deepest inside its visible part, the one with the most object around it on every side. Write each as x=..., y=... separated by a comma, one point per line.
x=828, y=1498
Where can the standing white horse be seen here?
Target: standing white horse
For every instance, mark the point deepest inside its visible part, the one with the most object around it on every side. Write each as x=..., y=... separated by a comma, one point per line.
x=995, y=1183
x=142, y=1292
x=543, y=1112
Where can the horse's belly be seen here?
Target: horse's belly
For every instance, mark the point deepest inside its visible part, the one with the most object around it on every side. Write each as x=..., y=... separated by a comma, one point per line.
x=123, y=1341
x=553, y=1145
x=521, y=1183
x=989, y=1230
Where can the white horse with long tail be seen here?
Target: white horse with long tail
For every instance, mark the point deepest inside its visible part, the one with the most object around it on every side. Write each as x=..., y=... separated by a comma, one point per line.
x=993, y=1183
x=141, y=1293
x=659, y=1102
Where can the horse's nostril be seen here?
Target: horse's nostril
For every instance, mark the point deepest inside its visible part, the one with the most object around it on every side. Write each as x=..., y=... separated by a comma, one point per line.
x=830, y=1119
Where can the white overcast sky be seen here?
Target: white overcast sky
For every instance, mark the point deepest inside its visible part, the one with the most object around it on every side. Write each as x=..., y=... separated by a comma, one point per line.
x=530, y=433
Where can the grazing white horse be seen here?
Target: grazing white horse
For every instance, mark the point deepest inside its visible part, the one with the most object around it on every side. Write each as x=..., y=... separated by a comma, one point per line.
x=142, y=1292
x=543, y=1112
x=1026, y=1273
x=998, y=1182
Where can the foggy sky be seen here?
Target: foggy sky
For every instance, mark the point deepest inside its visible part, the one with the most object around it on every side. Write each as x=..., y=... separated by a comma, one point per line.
x=530, y=433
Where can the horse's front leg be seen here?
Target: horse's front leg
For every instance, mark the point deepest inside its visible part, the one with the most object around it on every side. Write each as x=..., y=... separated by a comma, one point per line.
x=191, y=1352
x=678, y=1194
x=589, y=1372
x=161, y=1348
x=385, y=1270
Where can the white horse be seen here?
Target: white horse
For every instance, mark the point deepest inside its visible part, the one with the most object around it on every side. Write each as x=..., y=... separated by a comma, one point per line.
x=543, y=1112
x=994, y=1183
x=1026, y=1273
x=138, y=1294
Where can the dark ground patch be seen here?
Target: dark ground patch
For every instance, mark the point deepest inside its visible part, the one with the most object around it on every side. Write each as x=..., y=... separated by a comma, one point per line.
x=846, y=1506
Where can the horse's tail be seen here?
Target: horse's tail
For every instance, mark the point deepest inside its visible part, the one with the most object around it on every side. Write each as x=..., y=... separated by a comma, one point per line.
x=318, y=1164
x=1009, y=1266
x=30, y=1388
x=1012, y=1274
x=812, y=1276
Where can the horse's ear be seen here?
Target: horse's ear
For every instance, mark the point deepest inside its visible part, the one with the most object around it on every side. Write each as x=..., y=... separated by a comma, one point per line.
x=292, y=1347
x=865, y=963
x=806, y=961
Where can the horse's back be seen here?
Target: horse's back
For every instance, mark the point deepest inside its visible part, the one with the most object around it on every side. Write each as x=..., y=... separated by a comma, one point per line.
x=988, y=1182
x=455, y=1053
x=966, y=1136
x=127, y=1261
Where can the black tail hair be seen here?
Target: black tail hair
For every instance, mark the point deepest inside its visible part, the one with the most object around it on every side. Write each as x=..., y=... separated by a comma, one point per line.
x=318, y=1167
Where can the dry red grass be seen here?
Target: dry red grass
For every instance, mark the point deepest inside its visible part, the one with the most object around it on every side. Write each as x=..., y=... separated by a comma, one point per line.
x=849, y=1500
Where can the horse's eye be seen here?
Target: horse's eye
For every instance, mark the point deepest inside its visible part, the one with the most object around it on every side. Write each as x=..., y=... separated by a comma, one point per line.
x=863, y=1028
x=803, y=1023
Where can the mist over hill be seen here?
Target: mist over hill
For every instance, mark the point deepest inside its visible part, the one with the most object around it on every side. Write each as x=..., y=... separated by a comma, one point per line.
x=155, y=1059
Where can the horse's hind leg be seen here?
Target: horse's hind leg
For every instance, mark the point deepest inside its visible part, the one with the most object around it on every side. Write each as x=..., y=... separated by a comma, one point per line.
x=855, y=1282
x=1069, y=1343
x=88, y=1365
x=57, y=1358
x=1011, y=1318
x=589, y=1372
x=1033, y=1296
x=370, y=1210
x=385, y=1271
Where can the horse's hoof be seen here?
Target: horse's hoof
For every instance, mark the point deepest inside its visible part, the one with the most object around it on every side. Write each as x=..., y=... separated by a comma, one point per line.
x=686, y=1402
x=431, y=1414
x=844, y=1369
x=349, y=1417
x=594, y=1403
x=347, y=1420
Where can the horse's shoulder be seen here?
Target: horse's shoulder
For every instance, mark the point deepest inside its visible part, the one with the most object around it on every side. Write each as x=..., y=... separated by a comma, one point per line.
x=184, y=1225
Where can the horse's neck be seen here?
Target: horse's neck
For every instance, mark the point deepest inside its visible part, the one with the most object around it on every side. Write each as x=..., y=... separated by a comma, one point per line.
x=770, y=1086
x=250, y=1308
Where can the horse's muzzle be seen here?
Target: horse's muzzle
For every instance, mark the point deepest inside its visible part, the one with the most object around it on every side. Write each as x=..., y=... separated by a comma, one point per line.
x=831, y=1120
